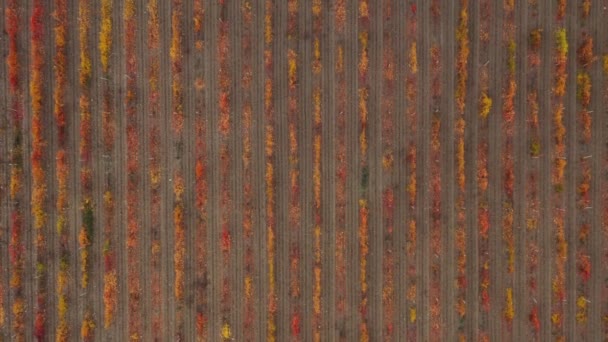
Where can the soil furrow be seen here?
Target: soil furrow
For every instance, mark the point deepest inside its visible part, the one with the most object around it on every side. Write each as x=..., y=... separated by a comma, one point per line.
x=263, y=71
x=326, y=83
x=402, y=167
x=144, y=127
x=597, y=241
x=247, y=310
x=374, y=156
x=301, y=243
x=237, y=174
x=118, y=85
x=96, y=168
x=494, y=175
x=471, y=139
x=282, y=174
x=573, y=172
x=214, y=232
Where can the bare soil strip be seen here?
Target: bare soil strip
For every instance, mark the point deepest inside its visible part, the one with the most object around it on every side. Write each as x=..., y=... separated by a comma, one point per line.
x=144, y=198
x=282, y=187
x=573, y=172
x=302, y=244
x=118, y=80
x=376, y=233
x=214, y=232
x=471, y=140
x=188, y=156
x=401, y=170
x=327, y=87
x=95, y=92
x=494, y=178
x=237, y=176
x=597, y=239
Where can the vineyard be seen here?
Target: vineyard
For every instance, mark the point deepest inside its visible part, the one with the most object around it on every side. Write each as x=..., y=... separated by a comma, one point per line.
x=304, y=170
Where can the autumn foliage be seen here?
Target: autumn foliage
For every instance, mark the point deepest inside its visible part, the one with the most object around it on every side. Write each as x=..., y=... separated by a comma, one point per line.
x=37, y=158
x=269, y=176
x=62, y=170
x=16, y=247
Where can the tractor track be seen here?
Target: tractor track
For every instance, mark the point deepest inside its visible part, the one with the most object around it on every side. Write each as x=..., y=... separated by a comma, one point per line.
x=326, y=83
x=119, y=151
x=98, y=87
x=374, y=160
x=303, y=121
x=144, y=195
x=494, y=174
x=471, y=148
x=214, y=232
x=280, y=93
x=597, y=242
x=237, y=196
x=573, y=217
